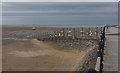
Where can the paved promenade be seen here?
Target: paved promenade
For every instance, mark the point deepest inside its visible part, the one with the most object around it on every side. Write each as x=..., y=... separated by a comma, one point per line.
x=111, y=52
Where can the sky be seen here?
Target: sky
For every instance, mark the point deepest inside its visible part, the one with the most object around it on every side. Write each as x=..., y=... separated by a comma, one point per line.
x=59, y=0
x=60, y=13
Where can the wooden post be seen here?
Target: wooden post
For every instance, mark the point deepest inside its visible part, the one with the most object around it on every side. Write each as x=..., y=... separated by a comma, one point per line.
x=82, y=31
x=101, y=29
x=63, y=32
x=67, y=32
x=74, y=32
x=96, y=32
x=89, y=31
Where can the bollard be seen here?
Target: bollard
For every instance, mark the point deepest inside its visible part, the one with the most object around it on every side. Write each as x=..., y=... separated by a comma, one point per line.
x=98, y=64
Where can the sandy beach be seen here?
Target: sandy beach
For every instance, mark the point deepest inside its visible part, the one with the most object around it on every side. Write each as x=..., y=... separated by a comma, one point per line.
x=29, y=54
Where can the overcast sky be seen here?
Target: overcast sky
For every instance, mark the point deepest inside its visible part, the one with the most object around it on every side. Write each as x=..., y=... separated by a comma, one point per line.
x=59, y=0
x=60, y=13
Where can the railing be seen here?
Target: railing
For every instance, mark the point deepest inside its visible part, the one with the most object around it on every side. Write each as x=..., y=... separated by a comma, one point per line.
x=99, y=62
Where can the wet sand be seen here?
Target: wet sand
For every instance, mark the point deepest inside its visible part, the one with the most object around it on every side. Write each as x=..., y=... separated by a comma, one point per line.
x=35, y=55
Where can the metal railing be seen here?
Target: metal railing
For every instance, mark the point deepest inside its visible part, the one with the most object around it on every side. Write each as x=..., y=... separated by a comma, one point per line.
x=100, y=53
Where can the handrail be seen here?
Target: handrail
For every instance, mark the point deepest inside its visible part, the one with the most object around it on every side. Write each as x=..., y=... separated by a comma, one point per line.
x=99, y=62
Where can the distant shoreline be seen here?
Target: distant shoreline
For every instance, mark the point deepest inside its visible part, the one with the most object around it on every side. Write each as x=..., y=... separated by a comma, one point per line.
x=52, y=26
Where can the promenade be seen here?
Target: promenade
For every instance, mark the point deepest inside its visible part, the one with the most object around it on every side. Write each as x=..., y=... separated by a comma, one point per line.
x=111, y=51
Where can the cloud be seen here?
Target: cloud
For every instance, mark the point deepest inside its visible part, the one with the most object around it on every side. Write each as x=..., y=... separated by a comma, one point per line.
x=60, y=13
x=57, y=7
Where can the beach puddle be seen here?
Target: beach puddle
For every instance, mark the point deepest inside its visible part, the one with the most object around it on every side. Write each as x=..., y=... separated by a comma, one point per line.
x=15, y=39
